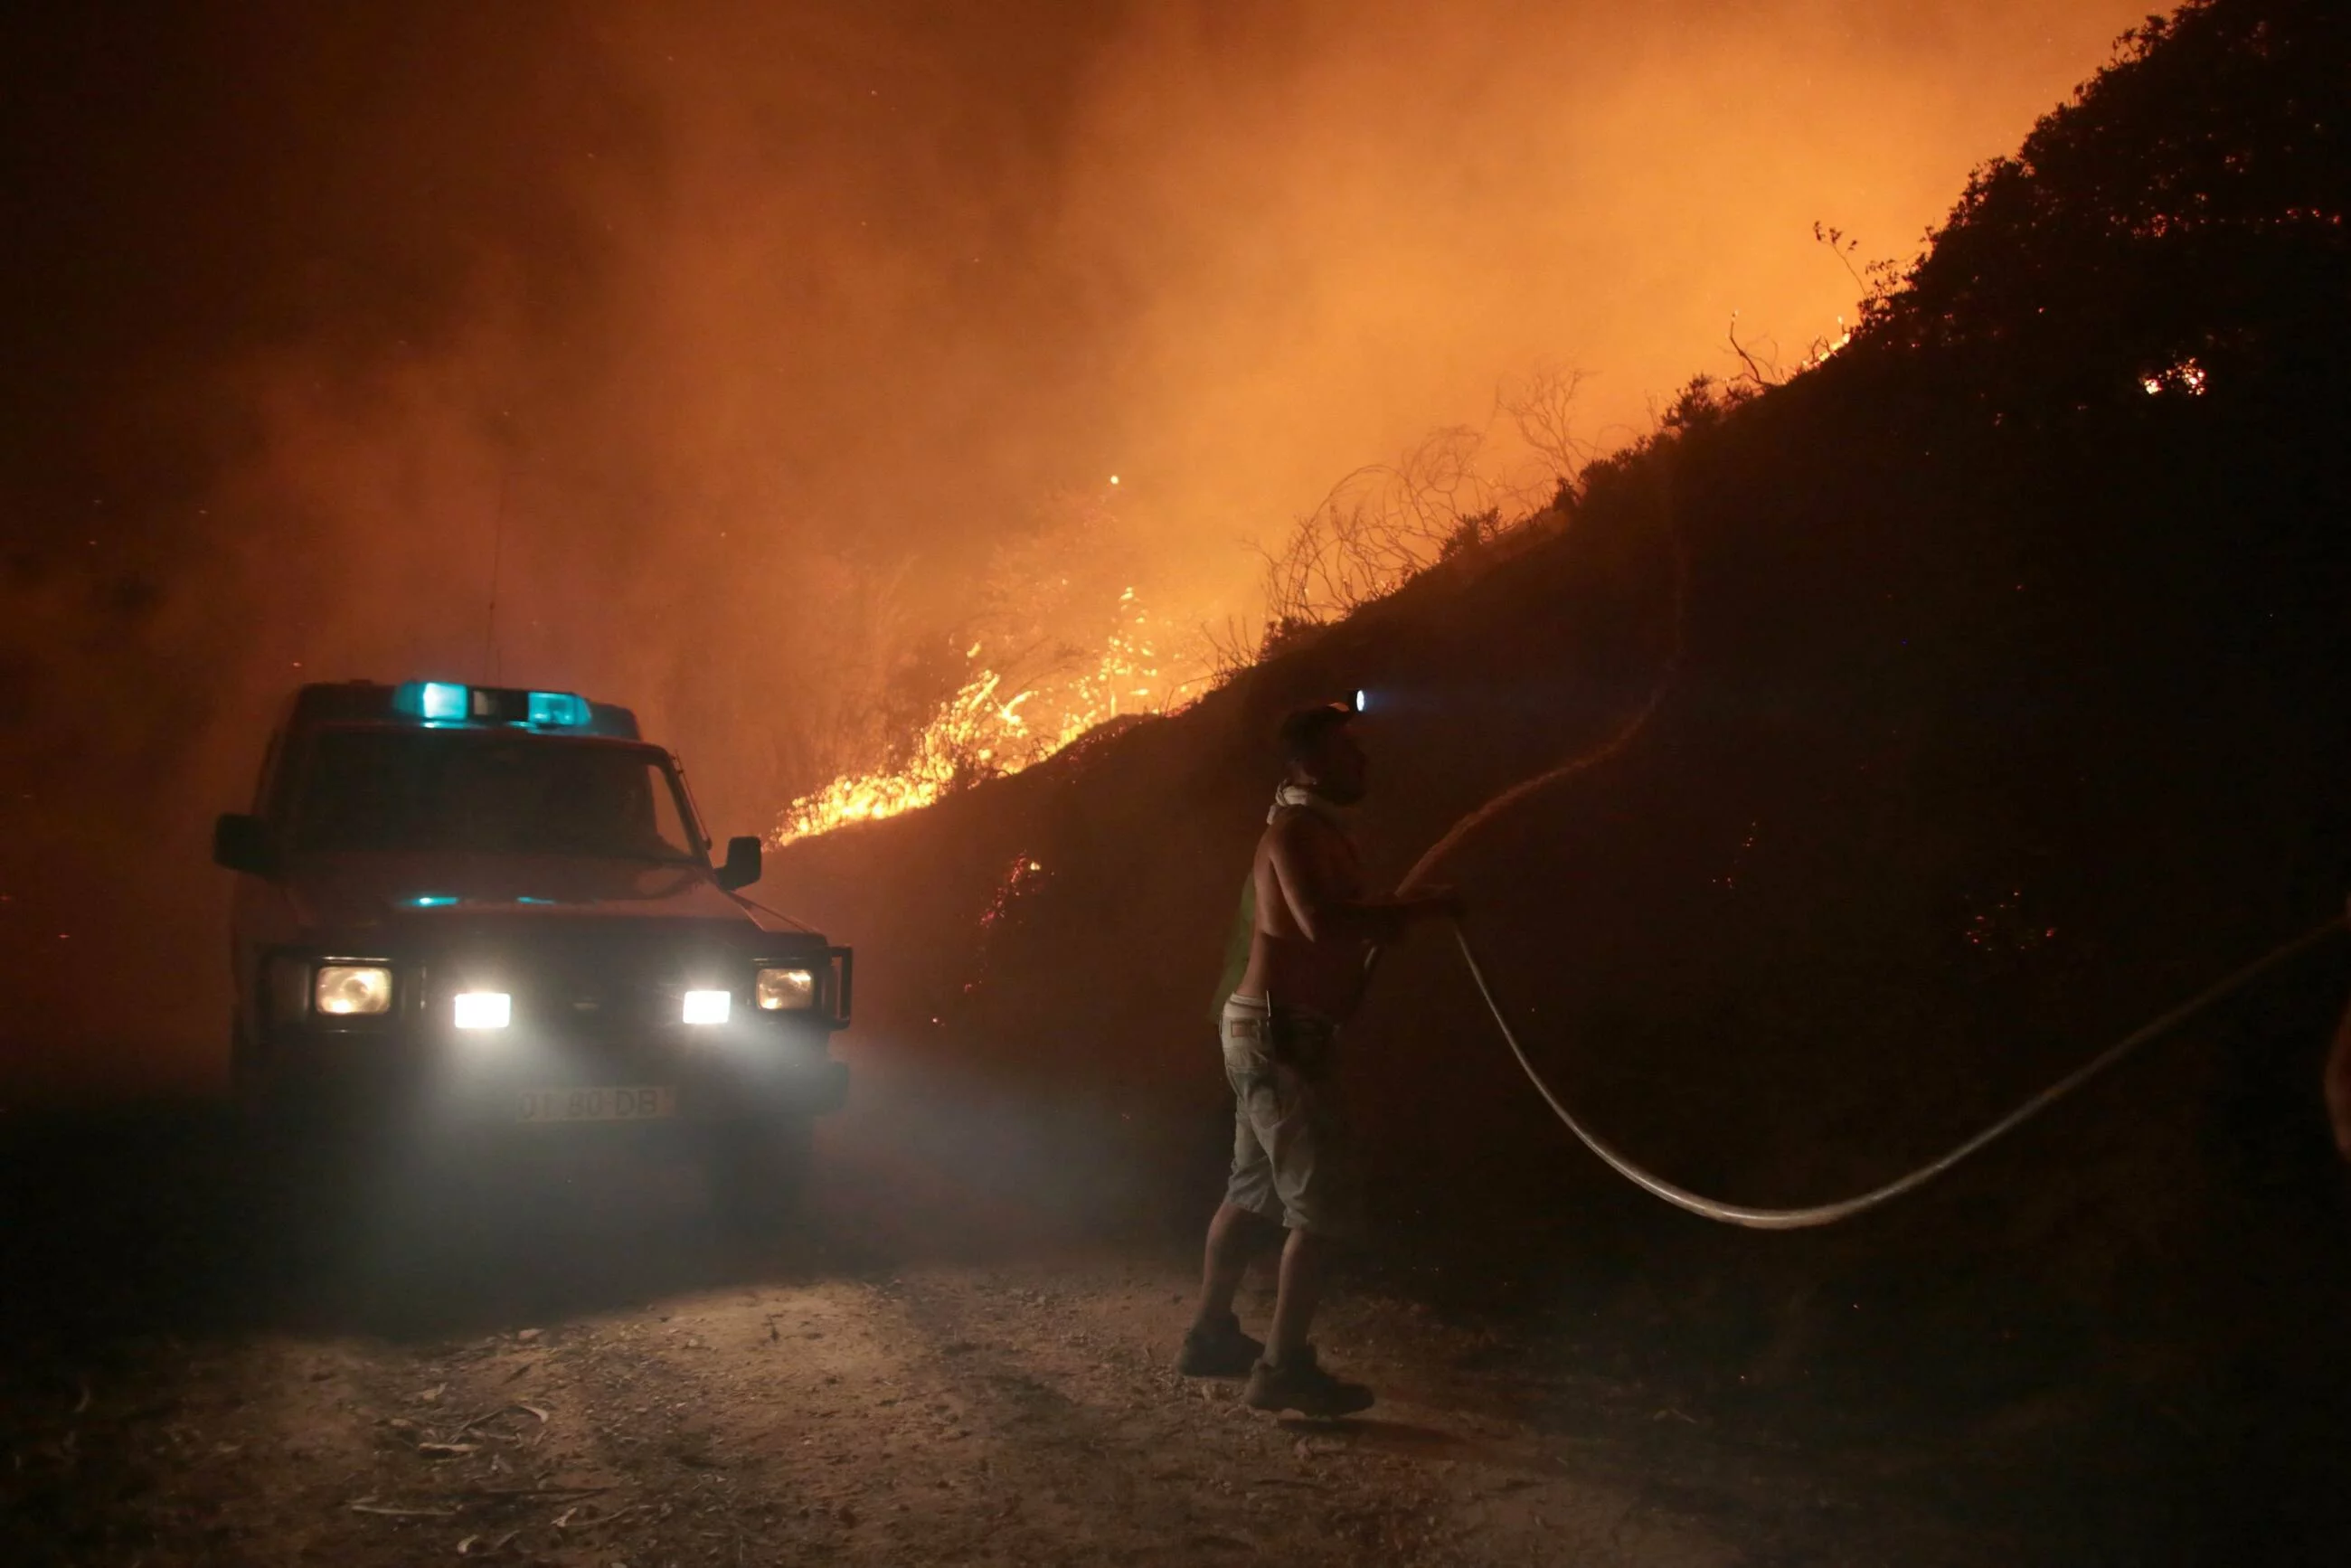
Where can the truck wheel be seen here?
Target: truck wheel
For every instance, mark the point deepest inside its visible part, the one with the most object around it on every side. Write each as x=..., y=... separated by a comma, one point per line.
x=284, y=1167
x=758, y=1175
x=269, y=1127
x=243, y=1069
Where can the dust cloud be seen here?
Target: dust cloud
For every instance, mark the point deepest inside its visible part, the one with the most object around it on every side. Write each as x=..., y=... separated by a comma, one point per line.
x=712, y=358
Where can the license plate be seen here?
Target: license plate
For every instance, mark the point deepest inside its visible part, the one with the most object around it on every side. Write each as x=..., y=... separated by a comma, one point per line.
x=597, y=1104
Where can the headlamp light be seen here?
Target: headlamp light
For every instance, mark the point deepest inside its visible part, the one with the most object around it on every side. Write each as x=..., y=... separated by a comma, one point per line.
x=483, y=1009
x=707, y=1006
x=348, y=990
x=786, y=990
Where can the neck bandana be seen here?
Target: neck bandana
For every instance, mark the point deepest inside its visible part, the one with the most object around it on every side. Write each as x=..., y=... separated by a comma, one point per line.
x=1298, y=798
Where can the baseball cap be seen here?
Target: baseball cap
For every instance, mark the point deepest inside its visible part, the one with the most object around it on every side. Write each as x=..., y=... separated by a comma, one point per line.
x=1303, y=729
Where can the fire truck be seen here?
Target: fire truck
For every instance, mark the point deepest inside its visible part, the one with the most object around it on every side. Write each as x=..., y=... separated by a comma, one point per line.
x=476, y=920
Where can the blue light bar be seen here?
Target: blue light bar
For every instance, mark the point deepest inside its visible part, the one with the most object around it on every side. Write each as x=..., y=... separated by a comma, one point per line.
x=430, y=901
x=561, y=709
x=435, y=702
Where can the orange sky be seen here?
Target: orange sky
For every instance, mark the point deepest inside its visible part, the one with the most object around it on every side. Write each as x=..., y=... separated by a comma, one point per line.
x=1331, y=242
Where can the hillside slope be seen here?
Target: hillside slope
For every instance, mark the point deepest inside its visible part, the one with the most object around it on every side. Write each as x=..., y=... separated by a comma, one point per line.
x=2006, y=708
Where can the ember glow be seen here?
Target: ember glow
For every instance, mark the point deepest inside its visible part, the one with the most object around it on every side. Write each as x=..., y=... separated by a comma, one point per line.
x=2186, y=377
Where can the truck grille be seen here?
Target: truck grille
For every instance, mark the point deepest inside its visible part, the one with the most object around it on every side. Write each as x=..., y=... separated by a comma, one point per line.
x=582, y=990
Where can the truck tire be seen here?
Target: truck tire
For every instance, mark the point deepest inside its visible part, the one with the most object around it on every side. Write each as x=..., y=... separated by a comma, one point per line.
x=243, y=1069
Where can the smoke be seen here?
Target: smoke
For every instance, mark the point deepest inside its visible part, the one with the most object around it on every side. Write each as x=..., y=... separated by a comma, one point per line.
x=1342, y=231
x=704, y=357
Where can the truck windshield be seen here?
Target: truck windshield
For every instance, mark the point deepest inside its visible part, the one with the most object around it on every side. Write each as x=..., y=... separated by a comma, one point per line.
x=492, y=793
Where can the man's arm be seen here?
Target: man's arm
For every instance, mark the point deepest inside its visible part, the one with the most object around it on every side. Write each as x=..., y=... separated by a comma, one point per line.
x=1306, y=865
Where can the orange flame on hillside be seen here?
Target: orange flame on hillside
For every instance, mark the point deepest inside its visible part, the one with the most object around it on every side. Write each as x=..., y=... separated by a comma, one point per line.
x=982, y=732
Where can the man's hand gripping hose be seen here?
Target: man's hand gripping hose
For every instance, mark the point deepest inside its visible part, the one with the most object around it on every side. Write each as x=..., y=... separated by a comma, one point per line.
x=1845, y=1209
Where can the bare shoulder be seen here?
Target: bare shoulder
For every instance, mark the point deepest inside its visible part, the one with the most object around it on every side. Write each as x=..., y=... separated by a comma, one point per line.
x=1297, y=830
x=1302, y=839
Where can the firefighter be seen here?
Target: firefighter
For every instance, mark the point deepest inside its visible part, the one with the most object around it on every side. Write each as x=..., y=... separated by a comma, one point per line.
x=1310, y=929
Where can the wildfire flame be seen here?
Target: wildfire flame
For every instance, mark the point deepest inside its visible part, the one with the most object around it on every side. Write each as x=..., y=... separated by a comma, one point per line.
x=1377, y=529
x=984, y=732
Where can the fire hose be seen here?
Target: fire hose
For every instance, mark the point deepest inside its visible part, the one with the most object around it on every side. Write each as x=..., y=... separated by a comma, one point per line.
x=1811, y=1216
x=1818, y=1214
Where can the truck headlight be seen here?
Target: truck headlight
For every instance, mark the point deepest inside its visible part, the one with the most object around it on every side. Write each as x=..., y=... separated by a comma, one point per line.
x=787, y=990
x=346, y=990
x=707, y=1006
x=483, y=1009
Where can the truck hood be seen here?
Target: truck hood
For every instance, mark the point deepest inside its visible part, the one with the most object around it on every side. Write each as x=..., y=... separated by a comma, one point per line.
x=358, y=891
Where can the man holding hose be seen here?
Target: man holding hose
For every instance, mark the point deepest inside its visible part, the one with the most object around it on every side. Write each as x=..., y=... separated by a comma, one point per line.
x=1295, y=1163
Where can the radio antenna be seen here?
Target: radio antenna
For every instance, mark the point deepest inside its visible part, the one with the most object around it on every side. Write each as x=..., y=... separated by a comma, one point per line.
x=497, y=550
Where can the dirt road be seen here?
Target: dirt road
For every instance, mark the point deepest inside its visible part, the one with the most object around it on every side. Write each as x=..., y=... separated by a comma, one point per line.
x=819, y=1405
x=603, y=1379
x=966, y=1416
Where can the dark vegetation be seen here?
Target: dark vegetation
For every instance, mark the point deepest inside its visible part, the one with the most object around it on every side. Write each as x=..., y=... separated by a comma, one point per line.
x=2007, y=708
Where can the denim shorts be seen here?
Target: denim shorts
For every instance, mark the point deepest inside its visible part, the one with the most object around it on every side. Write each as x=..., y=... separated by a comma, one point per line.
x=1295, y=1160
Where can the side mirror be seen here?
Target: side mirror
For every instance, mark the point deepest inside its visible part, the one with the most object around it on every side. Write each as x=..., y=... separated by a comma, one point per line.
x=742, y=867
x=242, y=843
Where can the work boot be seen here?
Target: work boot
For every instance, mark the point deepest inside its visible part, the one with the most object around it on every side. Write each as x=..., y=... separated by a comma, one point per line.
x=1218, y=1350
x=1300, y=1384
